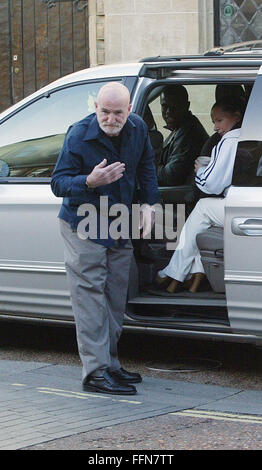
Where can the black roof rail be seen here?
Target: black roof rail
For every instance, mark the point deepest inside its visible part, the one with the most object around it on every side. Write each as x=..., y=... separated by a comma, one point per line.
x=217, y=52
x=169, y=58
x=164, y=69
x=227, y=56
x=208, y=55
x=238, y=46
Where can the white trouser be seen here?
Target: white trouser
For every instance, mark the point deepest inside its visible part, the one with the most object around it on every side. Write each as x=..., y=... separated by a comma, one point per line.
x=186, y=259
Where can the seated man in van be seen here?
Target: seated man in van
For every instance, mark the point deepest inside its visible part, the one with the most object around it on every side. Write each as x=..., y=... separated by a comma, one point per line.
x=183, y=145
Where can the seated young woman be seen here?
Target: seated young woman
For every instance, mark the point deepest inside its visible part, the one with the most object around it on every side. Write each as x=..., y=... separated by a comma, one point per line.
x=185, y=269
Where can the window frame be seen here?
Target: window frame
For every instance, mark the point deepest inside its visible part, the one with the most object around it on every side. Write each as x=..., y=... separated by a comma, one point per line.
x=216, y=23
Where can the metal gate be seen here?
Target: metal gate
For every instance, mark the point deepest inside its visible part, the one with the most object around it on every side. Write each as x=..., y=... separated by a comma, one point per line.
x=237, y=21
x=40, y=40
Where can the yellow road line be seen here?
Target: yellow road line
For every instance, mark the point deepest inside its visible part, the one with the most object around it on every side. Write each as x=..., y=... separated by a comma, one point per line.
x=218, y=415
x=83, y=396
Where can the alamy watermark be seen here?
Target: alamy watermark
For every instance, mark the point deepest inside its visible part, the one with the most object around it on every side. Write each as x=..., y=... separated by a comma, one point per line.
x=115, y=221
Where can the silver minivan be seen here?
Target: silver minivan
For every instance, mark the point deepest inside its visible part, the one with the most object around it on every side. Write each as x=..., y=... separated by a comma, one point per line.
x=33, y=284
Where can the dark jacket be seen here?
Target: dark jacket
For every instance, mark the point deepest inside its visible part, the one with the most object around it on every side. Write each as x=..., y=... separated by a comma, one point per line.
x=180, y=150
x=84, y=147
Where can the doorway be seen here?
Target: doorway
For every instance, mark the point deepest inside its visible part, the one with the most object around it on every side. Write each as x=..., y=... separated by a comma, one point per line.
x=41, y=41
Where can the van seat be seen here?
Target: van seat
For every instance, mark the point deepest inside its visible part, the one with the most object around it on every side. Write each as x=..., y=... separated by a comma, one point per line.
x=211, y=247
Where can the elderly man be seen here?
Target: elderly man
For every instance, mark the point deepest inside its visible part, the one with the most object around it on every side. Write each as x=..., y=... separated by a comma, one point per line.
x=102, y=155
x=183, y=145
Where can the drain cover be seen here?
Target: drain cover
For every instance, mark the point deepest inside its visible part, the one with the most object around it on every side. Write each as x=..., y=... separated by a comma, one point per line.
x=185, y=364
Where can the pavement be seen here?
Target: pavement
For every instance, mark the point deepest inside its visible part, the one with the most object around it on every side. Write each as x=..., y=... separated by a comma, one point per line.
x=42, y=402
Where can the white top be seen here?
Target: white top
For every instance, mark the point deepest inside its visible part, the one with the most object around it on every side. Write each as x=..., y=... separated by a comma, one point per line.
x=217, y=176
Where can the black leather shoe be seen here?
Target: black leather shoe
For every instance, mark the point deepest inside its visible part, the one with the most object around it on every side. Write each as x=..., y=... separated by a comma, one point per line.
x=107, y=384
x=124, y=376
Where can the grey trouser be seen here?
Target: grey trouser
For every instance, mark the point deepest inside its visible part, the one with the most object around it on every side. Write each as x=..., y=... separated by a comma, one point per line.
x=98, y=281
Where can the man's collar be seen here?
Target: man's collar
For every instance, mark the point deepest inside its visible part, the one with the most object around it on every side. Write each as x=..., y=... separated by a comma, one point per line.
x=93, y=131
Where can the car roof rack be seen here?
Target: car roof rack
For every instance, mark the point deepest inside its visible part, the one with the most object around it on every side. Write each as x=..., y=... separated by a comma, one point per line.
x=160, y=58
x=248, y=46
x=164, y=69
x=231, y=51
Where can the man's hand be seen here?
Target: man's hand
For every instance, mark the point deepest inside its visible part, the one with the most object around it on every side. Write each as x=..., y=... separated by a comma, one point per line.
x=147, y=219
x=103, y=174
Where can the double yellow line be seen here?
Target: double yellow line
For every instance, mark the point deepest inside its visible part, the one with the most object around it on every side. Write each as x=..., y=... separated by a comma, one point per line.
x=218, y=415
x=193, y=413
x=82, y=396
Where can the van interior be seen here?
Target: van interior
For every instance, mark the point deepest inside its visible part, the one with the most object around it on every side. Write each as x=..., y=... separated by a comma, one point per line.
x=206, y=306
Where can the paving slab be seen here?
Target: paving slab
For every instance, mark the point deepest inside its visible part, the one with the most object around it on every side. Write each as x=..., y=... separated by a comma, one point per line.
x=41, y=402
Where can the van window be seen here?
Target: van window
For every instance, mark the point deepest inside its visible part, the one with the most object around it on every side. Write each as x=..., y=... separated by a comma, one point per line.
x=32, y=138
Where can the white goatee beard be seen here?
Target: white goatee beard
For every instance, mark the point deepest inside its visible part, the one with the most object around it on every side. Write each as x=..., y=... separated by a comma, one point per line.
x=112, y=130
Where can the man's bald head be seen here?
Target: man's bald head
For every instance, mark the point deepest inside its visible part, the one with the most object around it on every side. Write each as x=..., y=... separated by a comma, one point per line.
x=114, y=90
x=112, y=107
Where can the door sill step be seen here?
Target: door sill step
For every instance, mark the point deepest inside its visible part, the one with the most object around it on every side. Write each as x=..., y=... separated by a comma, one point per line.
x=187, y=298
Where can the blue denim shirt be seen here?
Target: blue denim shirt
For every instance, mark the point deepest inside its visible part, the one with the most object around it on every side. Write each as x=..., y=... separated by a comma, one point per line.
x=84, y=147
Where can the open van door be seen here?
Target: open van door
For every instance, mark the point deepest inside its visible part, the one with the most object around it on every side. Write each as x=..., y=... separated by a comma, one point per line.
x=243, y=227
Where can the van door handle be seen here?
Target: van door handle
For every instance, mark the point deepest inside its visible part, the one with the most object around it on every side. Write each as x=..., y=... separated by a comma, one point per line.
x=247, y=227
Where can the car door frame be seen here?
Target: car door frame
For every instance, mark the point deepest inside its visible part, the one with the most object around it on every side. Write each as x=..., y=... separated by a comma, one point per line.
x=243, y=235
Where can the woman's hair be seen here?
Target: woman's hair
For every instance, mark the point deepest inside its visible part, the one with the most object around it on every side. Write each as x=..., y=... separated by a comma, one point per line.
x=232, y=105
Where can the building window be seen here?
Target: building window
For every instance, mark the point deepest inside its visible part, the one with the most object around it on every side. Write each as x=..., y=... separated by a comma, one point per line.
x=237, y=21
